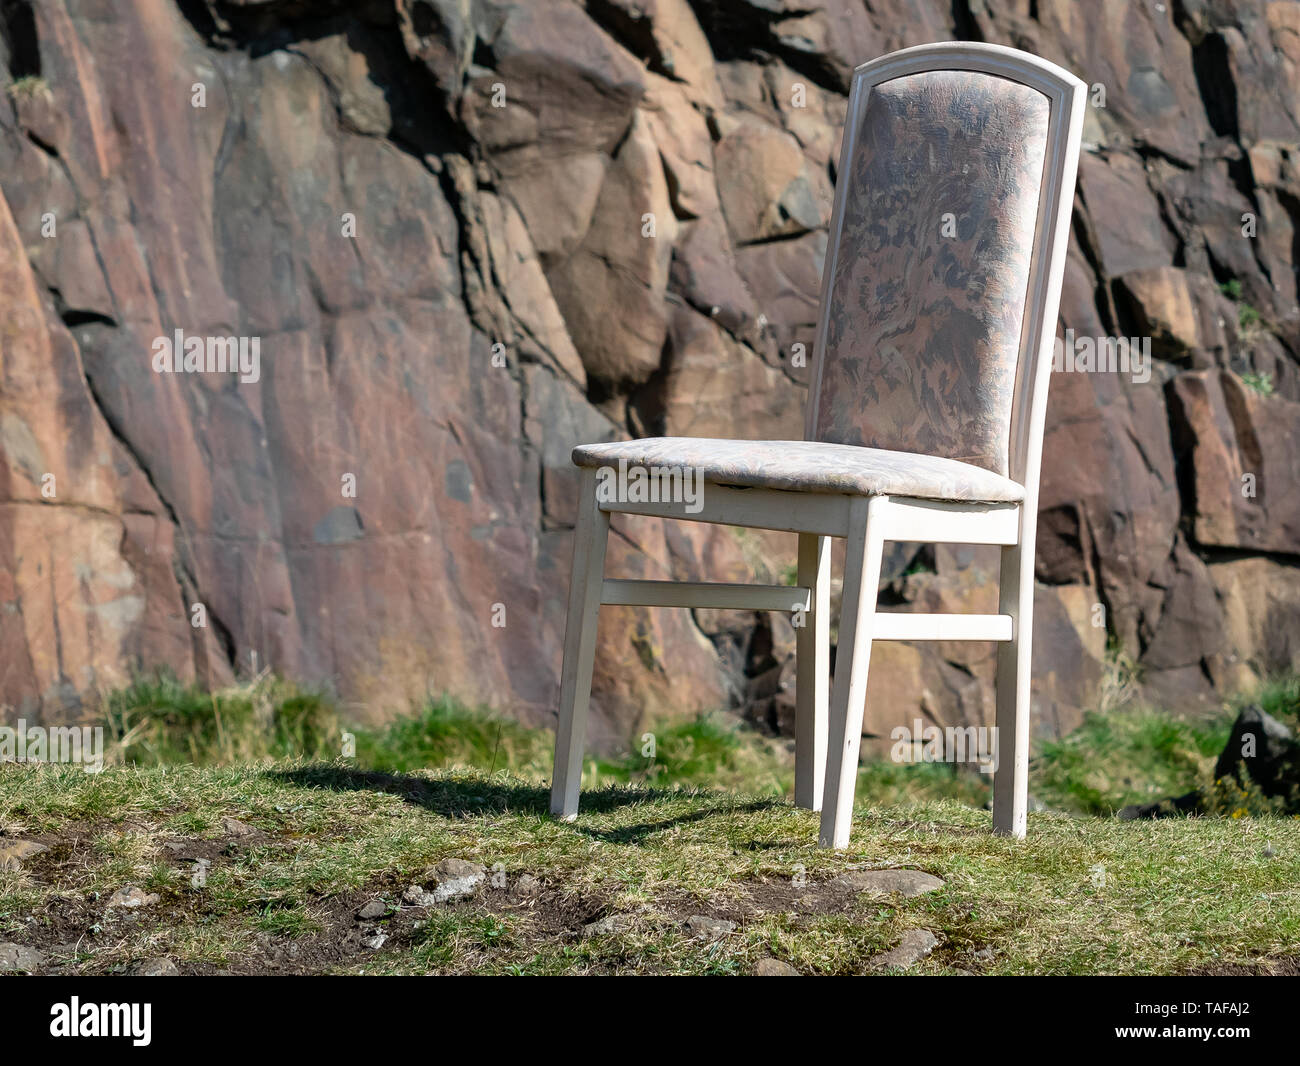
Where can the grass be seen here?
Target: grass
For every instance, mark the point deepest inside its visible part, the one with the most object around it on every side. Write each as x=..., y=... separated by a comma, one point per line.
x=1123, y=753
x=1250, y=322
x=157, y=720
x=1078, y=896
x=446, y=734
x=694, y=820
x=1261, y=383
x=1278, y=696
x=28, y=87
x=1132, y=756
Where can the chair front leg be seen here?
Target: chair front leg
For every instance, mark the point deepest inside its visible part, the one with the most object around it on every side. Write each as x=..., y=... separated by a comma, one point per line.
x=812, y=673
x=590, y=538
x=1015, y=657
x=852, y=658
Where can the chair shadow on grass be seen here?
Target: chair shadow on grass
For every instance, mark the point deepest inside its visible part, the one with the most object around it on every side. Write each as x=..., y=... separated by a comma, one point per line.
x=635, y=834
x=476, y=798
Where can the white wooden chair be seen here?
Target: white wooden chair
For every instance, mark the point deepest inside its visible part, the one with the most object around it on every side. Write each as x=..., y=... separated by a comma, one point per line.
x=925, y=413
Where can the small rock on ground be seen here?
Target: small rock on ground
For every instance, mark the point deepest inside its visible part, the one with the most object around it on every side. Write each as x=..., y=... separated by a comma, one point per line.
x=12, y=852
x=375, y=942
x=915, y=945
x=904, y=882
x=375, y=908
x=159, y=967
x=456, y=878
x=775, y=968
x=611, y=923
x=416, y=896
x=233, y=827
x=17, y=958
x=528, y=885
x=703, y=926
x=132, y=897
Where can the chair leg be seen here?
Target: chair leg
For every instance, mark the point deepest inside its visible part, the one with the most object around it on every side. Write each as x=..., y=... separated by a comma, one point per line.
x=852, y=657
x=812, y=673
x=1011, y=779
x=585, y=583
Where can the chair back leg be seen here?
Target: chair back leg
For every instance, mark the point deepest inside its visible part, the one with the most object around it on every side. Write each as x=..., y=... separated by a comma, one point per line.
x=812, y=673
x=1011, y=778
x=852, y=658
x=590, y=539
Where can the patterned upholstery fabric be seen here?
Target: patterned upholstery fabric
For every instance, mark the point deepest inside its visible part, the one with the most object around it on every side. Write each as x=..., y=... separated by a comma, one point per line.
x=924, y=329
x=810, y=466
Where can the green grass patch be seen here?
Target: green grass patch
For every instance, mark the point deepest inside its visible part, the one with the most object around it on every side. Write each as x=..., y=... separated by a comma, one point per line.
x=28, y=87
x=1122, y=754
x=1261, y=383
x=1126, y=756
x=1079, y=895
x=1279, y=696
x=693, y=819
x=157, y=720
x=445, y=733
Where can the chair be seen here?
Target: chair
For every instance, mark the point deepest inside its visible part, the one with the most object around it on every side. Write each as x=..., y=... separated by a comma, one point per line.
x=924, y=419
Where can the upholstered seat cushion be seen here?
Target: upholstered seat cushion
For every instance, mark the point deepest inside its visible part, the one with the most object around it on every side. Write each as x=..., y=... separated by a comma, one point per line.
x=810, y=466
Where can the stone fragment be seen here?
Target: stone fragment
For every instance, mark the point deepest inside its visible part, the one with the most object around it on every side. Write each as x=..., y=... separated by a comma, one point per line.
x=915, y=945
x=375, y=908
x=13, y=851
x=707, y=928
x=132, y=898
x=906, y=883
x=774, y=968
x=610, y=925
x=18, y=958
x=156, y=967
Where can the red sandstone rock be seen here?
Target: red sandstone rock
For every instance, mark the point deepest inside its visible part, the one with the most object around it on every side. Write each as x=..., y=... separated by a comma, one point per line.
x=432, y=216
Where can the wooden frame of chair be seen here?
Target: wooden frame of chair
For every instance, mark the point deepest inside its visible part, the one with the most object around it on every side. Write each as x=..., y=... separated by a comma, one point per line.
x=828, y=725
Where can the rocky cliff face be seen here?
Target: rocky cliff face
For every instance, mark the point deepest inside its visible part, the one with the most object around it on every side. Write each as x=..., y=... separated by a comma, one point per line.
x=469, y=234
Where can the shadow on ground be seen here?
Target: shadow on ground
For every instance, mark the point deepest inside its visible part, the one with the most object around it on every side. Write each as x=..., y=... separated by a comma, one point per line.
x=475, y=798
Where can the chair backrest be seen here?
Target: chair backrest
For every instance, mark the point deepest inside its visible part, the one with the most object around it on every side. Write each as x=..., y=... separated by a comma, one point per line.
x=946, y=252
